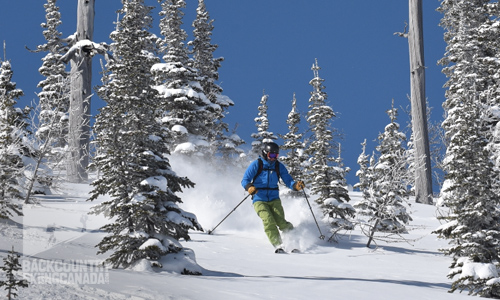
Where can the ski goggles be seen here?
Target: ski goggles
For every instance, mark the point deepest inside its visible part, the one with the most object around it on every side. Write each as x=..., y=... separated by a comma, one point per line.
x=272, y=155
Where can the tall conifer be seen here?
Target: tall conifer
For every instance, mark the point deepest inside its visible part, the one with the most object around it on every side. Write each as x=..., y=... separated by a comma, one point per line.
x=12, y=133
x=385, y=194
x=263, y=135
x=136, y=173
x=54, y=97
x=470, y=189
x=207, y=67
x=326, y=175
x=187, y=111
x=293, y=143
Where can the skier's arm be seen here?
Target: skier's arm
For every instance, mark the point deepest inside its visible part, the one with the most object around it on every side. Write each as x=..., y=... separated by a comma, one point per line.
x=252, y=169
x=286, y=177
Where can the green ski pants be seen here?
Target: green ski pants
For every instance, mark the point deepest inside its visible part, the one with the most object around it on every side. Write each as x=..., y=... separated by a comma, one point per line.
x=273, y=217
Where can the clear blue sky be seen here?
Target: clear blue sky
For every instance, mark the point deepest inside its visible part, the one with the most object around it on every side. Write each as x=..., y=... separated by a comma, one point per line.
x=271, y=46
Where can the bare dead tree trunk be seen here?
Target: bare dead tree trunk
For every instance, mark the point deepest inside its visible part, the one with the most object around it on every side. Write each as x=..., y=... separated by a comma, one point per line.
x=79, y=114
x=423, y=176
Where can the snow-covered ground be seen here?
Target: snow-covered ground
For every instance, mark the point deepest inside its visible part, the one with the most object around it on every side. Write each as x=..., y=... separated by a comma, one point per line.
x=58, y=238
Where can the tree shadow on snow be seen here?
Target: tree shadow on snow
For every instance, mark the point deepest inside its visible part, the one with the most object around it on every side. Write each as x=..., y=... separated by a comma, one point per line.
x=379, y=280
x=348, y=242
x=404, y=250
x=208, y=273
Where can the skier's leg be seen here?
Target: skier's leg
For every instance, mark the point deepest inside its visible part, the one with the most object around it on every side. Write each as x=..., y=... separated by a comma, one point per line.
x=270, y=228
x=279, y=215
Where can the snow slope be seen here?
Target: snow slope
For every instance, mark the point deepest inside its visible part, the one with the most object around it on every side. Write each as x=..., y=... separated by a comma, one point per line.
x=237, y=260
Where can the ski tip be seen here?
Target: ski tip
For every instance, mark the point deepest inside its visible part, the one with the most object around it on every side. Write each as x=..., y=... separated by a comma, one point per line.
x=279, y=250
x=295, y=251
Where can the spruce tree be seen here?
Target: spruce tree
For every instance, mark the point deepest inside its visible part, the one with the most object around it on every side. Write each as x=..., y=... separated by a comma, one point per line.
x=326, y=175
x=470, y=189
x=207, y=67
x=472, y=225
x=11, y=266
x=364, y=172
x=262, y=123
x=488, y=33
x=12, y=149
x=49, y=119
x=392, y=168
x=54, y=97
x=187, y=111
x=385, y=193
x=230, y=152
x=293, y=143
x=136, y=174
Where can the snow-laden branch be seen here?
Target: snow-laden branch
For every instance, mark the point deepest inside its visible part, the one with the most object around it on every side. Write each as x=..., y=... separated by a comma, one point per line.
x=86, y=48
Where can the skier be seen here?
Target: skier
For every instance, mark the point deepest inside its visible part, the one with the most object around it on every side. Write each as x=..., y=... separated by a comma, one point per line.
x=261, y=181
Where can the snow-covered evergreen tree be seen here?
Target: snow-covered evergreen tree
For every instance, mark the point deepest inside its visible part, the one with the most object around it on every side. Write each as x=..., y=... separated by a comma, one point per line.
x=364, y=172
x=11, y=267
x=392, y=166
x=473, y=223
x=470, y=189
x=231, y=153
x=207, y=66
x=49, y=119
x=294, y=144
x=385, y=194
x=263, y=134
x=489, y=77
x=411, y=162
x=326, y=175
x=54, y=97
x=147, y=221
x=12, y=149
x=187, y=110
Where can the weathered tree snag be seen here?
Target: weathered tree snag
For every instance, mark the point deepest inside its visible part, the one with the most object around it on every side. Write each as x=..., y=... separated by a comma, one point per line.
x=79, y=114
x=423, y=176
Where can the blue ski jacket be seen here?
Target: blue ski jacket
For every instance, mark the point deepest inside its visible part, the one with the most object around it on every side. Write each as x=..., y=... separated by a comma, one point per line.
x=266, y=182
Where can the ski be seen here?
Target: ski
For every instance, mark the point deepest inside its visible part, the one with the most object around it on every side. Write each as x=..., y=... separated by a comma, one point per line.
x=281, y=251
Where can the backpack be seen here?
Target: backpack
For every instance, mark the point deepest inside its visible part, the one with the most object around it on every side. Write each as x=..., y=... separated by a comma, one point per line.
x=261, y=167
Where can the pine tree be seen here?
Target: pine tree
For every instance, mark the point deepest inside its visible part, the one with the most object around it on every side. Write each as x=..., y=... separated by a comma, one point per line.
x=11, y=266
x=12, y=134
x=262, y=123
x=187, y=110
x=385, y=192
x=326, y=175
x=207, y=66
x=470, y=187
x=146, y=219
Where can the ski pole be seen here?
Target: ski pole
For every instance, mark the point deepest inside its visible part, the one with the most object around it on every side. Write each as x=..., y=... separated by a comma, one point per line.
x=210, y=231
x=321, y=236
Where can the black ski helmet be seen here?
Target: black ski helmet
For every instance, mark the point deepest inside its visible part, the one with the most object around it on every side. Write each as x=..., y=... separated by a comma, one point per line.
x=270, y=148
